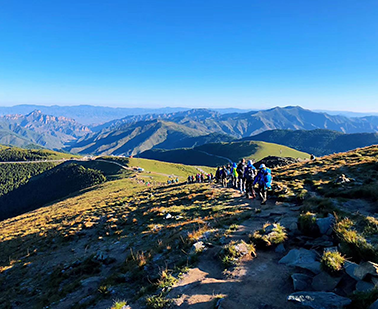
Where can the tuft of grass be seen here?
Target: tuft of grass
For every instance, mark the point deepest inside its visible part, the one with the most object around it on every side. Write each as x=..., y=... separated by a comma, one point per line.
x=166, y=280
x=307, y=223
x=371, y=226
x=332, y=262
x=262, y=239
x=158, y=302
x=119, y=305
x=353, y=244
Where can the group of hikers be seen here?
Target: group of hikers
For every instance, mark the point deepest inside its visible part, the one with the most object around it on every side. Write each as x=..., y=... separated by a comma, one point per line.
x=245, y=177
x=199, y=178
x=242, y=176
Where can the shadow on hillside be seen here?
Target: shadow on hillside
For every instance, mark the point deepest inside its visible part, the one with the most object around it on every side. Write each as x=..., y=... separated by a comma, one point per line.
x=65, y=180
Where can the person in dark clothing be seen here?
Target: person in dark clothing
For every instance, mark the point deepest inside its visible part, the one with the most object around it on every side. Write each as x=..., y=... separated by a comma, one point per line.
x=264, y=181
x=218, y=175
x=241, y=180
x=249, y=176
x=223, y=176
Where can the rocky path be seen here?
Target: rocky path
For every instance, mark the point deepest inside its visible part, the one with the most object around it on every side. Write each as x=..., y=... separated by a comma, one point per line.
x=257, y=283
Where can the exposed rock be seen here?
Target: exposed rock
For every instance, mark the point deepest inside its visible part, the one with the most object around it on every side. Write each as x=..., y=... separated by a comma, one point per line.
x=319, y=300
x=325, y=224
x=325, y=282
x=350, y=268
x=280, y=248
x=319, y=242
x=301, y=282
x=363, y=286
x=374, y=305
x=101, y=256
x=197, y=247
x=302, y=258
x=375, y=281
x=219, y=303
x=293, y=226
x=91, y=284
x=273, y=161
x=331, y=249
x=366, y=268
x=241, y=249
x=270, y=228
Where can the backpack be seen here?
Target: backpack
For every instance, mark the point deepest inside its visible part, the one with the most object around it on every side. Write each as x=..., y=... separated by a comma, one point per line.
x=250, y=173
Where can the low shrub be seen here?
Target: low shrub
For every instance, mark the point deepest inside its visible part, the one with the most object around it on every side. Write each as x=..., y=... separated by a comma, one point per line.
x=332, y=262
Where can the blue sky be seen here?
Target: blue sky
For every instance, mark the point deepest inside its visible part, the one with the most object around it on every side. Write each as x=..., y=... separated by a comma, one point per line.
x=246, y=54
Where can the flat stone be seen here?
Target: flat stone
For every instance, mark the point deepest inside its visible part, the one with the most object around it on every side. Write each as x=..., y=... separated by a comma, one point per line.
x=301, y=282
x=374, y=280
x=91, y=284
x=326, y=224
x=319, y=300
x=270, y=228
x=363, y=286
x=293, y=226
x=331, y=249
x=366, y=268
x=325, y=282
x=374, y=305
x=350, y=268
x=302, y=258
x=280, y=248
x=319, y=242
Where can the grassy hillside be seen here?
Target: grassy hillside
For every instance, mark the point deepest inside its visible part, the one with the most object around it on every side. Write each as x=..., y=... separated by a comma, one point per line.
x=52, y=185
x=13, y=175
x=215, y=154
x=128, y=241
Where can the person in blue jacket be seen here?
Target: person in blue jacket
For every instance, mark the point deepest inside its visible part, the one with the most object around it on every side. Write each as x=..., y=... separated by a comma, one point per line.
x=264, y=181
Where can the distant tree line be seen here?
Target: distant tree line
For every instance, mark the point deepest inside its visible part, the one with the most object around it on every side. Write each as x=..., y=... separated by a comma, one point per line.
x=48, y=187
x=14, y=175
x=18, y=154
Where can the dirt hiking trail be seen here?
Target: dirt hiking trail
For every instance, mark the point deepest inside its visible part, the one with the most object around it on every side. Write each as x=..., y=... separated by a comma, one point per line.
x=256, y=283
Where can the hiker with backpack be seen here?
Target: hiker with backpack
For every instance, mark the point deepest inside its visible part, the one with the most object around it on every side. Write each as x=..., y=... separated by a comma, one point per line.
x=249, y=176
x=223, y=176
x=264, y=181
x=234, y=176
x=240, y=170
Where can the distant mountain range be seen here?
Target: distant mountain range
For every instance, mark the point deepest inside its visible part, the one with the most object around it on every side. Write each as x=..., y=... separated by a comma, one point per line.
x=36, y=128
x=135, y=134
x=318, y=142
x=88, y=114
x=133, y=138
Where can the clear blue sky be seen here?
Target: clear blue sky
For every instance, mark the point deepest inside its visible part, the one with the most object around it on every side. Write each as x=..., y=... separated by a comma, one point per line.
x=248, y=54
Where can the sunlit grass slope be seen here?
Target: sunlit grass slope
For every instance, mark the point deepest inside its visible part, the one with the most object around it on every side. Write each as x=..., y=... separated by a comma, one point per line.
x=215, y=154
x=54, y=249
